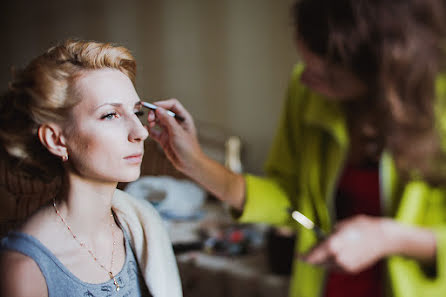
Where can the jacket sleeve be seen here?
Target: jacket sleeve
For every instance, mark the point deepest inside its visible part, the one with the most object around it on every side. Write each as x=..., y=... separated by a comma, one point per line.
x=268, y=198
x=425, y=206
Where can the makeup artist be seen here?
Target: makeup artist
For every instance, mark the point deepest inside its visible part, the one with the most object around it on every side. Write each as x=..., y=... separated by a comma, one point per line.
x=358, y=150
x=73, y=113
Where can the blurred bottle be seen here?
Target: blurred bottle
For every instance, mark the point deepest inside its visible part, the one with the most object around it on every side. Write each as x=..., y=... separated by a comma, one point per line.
x=280, y=243
x=232, y=154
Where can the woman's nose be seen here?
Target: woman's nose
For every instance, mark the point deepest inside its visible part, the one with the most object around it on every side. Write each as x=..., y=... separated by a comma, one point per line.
x=137, y=131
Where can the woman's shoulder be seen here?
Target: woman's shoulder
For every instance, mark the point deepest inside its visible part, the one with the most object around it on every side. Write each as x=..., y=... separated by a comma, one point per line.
x=21, y=276
x=40, y=224
x=42, y=230
x=299, y=95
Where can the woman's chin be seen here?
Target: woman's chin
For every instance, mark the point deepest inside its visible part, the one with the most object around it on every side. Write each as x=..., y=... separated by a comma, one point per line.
x=131, y=177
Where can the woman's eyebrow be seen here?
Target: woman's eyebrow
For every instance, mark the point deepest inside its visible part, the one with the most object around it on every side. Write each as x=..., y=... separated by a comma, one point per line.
x=116, y=104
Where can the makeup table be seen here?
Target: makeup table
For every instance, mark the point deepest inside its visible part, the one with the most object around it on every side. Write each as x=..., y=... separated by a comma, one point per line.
x=211, y=275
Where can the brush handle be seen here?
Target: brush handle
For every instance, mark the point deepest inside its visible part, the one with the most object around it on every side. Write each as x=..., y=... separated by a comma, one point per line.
x=320, y=234
x=169, y=112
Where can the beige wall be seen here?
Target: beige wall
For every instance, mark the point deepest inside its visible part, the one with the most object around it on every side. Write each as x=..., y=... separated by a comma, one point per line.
x=228, y=61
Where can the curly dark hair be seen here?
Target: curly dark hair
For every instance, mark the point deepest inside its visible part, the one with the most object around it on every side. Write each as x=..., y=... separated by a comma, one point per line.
x=397, y=48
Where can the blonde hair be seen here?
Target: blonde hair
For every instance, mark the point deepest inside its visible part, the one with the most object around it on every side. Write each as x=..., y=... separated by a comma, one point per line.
x=43, y=92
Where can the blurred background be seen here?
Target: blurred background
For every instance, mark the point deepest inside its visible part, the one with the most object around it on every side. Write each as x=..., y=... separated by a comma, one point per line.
x=227, y=61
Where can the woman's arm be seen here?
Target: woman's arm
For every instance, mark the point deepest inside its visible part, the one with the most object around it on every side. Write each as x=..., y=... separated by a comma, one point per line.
x=410, y=241
x=361, y=241
x=20, y=276
x=223, y=183
x=180, y=143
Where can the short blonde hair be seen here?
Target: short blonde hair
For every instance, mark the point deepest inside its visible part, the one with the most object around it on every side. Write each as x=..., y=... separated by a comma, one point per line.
x=43, y=92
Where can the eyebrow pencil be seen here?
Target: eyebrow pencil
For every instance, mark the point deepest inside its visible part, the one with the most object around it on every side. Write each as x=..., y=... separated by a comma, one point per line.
x=307, y=223
x=154, y=107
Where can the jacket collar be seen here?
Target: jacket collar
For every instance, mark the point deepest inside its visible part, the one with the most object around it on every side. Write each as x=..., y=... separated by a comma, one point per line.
x=328, y=115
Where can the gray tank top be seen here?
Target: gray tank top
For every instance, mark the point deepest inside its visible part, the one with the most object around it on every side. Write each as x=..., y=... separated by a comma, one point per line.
x=61, y=282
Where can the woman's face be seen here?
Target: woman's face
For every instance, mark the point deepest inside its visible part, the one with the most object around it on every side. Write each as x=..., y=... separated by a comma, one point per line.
x=104, y=136
x=331, y=81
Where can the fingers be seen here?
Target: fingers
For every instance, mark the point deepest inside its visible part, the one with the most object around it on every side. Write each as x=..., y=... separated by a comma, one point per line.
x=319, y=255
x=351, y=248
x=171, y=104
x=175, y=106
x=155, y=133
x=178, y=138
x=325, y=253
x=166, y=121
x=151, y=118
x=161, y=118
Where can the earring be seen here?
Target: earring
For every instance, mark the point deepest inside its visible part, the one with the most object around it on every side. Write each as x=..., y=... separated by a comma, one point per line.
x=65, y=158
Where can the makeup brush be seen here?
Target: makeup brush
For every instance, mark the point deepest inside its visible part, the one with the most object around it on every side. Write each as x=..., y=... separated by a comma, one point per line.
x=154, y=107
x=307, y=223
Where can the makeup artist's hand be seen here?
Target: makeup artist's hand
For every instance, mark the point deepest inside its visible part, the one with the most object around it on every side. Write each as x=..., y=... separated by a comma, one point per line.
x=180, y=143
x=359, y=242
x=356, y=244
x=178, y=139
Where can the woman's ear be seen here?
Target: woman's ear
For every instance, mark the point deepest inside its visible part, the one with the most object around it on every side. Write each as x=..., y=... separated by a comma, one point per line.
x=50, y=135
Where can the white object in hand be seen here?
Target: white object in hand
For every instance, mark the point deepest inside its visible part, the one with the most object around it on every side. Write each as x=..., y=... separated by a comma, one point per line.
x=232, y=154
x=303, y=220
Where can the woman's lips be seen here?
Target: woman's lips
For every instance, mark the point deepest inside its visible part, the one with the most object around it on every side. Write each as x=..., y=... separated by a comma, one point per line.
x=134, y=159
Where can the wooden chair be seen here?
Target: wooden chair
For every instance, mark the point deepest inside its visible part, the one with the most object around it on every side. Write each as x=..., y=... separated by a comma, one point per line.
x=21, y=195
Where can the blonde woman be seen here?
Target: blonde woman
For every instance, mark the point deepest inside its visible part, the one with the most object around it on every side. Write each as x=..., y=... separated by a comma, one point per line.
x=73, y=111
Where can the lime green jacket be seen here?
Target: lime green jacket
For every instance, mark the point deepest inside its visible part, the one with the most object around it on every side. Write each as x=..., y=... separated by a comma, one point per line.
x=303, y=169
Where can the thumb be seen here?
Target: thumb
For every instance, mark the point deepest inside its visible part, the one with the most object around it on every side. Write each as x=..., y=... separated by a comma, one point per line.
x=166, y=120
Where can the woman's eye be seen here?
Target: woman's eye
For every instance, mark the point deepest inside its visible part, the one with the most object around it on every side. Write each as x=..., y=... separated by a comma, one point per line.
x=139, y=113
x=109, y=116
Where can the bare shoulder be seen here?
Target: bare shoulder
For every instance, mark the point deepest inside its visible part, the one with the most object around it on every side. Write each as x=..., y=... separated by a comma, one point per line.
x=20, y=276
x=42, y=226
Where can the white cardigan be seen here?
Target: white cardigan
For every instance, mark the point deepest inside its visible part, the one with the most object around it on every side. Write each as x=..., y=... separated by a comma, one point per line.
x=150, y=243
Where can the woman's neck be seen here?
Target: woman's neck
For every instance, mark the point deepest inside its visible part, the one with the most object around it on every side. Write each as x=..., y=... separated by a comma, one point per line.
x=86, y=204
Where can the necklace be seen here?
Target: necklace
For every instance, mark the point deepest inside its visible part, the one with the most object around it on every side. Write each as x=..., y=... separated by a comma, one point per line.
x=92, y=254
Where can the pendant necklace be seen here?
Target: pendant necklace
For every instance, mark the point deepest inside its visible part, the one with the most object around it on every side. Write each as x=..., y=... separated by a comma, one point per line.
x=92, y=254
